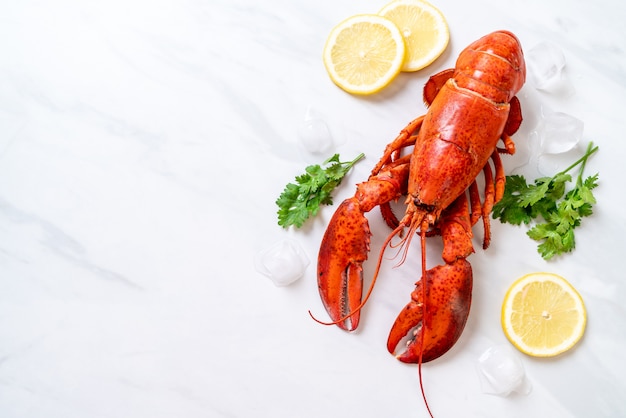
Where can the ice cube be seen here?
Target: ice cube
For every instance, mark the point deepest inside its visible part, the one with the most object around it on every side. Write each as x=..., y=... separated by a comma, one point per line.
x=545, y=62
x=501, y=372
x=314, y=136
x=283, y=262
x=313, y=133
x=559, y=132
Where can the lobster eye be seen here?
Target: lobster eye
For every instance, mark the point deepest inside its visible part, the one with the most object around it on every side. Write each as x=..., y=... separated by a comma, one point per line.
x=423, y=206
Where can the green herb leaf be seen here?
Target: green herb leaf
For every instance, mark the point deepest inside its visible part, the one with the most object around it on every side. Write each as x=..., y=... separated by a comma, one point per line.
x=546, y=198
x=312, y=189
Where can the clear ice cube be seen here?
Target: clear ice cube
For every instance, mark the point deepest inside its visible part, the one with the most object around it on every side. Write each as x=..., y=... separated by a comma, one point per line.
x=545, y=62
x=559, y=132
x=501, y=372
x=283, y=262
x=313, y=133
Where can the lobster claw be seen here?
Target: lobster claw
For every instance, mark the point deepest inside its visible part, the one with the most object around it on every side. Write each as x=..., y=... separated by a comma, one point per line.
x=443, y=315
x=343, y=250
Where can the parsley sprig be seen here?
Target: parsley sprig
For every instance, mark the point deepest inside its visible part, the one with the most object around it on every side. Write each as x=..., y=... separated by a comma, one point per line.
x=313, y=189
x=561, y=212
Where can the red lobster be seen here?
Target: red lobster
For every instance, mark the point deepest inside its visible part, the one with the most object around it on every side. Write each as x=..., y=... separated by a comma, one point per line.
x=470, y=109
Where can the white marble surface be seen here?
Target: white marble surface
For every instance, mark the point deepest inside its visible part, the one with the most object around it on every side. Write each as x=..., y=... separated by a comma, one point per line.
x=142, y=146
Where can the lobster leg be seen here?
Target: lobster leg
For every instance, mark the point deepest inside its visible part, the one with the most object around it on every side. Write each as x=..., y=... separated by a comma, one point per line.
x=494, y=190
x=404, y=139
x=434, y=84
x=345, y=245
x=477, y=207
x=514, y=120
x=488, y=204
x=435, y=317
x=389, y=217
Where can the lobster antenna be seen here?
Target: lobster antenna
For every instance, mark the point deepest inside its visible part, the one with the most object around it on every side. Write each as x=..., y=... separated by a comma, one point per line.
x=406, y=242
x=401, y=246
x=423, y=229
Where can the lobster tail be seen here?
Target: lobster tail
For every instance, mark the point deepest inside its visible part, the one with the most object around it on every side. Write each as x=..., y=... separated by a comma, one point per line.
x=493, y=65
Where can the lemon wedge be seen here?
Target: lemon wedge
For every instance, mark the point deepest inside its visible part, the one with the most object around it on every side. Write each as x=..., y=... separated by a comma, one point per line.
x=364, y=53
x=424, y=29
x=543, y=315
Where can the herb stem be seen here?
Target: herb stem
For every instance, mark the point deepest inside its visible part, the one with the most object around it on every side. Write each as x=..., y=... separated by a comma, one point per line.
x=590, y=150
x=353, y=162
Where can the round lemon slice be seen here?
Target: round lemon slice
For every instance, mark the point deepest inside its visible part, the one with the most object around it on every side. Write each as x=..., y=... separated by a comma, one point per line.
x=364, y=53
x=424, y=29
x=543, y=315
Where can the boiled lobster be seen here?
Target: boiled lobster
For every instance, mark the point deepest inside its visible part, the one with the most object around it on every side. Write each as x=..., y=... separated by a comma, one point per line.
x=471, y=108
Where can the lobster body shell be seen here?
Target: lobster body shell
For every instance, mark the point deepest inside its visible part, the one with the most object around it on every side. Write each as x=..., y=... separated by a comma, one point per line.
x=466, y=119
x=472, y=107
x=449, y=155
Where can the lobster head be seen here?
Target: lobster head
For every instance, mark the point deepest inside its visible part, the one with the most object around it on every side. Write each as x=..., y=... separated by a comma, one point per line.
x=493, y=65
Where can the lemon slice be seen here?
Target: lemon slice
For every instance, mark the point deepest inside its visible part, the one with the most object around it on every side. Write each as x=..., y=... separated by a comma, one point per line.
x=424, y=29
x=364, y=53
x=543, y=315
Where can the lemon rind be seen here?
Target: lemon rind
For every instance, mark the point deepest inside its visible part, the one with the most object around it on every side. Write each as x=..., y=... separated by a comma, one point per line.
x=517, y=341
x=438, y=49
x=384, y=80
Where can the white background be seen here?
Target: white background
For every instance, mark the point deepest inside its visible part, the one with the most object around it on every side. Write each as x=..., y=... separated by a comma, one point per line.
x=142, y=147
